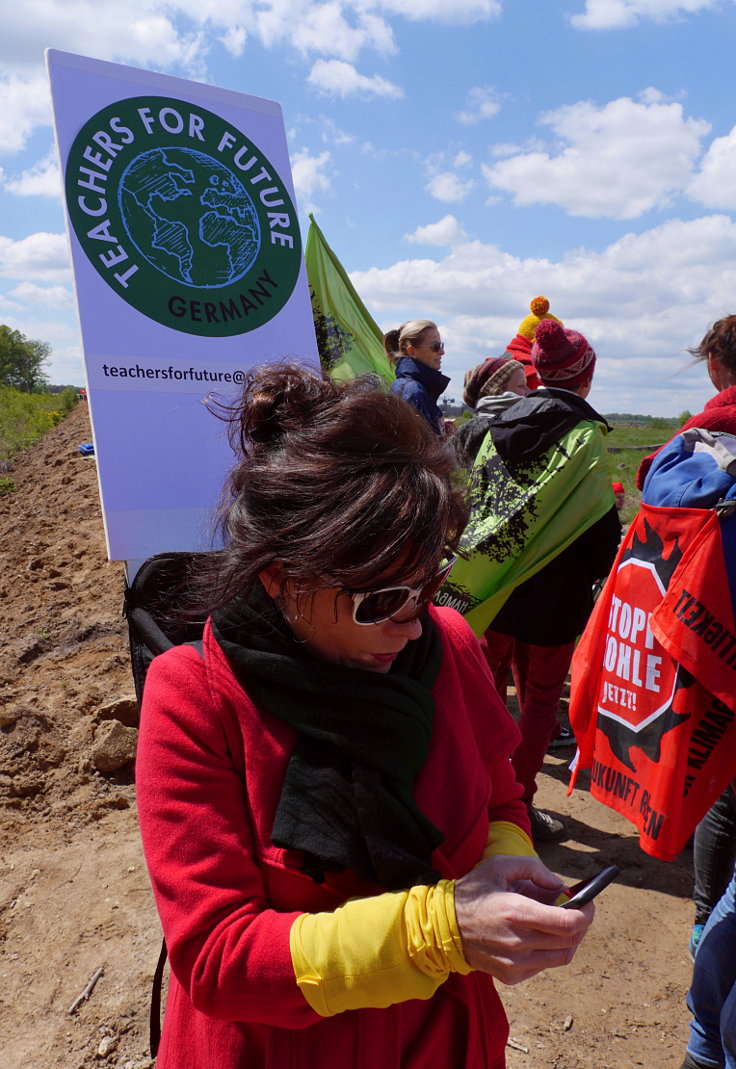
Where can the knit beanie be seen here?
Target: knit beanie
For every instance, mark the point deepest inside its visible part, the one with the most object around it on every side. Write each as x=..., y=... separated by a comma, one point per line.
x=488, y=378
x=562, y=357
x=539, y=311
x=520, y=346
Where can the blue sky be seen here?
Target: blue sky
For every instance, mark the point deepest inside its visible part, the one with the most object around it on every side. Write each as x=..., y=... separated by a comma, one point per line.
x=461, y=157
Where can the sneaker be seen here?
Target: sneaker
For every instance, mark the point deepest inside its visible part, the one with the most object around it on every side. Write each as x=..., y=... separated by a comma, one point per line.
x=695, y=939
x=545, y=827
x=562, y=740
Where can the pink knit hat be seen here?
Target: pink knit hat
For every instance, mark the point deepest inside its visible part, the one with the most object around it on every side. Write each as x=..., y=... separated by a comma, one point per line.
x=562, y=357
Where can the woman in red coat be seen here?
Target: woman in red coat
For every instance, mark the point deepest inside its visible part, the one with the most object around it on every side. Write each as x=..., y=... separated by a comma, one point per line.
x=337, y=845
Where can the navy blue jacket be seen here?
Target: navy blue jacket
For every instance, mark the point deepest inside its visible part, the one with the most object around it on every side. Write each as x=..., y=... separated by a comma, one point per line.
x=421, y=385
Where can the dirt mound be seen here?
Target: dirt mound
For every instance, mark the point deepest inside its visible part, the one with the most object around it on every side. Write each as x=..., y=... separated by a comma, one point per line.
x=74, y=895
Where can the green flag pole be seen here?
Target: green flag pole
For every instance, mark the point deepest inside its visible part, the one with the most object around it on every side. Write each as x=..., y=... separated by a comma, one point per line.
x=350, y=341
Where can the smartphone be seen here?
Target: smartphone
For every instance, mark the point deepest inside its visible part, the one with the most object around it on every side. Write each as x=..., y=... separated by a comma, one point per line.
x=586, y=890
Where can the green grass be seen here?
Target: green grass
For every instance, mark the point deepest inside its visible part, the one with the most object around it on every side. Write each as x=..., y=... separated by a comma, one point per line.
x=634, y=444
x=25, y=417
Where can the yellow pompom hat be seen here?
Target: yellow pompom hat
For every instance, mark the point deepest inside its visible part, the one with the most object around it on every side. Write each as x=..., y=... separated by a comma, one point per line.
x=539, y=311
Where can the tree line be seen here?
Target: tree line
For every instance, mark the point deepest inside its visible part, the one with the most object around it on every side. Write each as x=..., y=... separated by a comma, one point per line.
x=22, y=361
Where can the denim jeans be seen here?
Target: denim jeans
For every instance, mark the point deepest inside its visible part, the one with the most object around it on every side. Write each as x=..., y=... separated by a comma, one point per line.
x=714, y=854
x=712, y=995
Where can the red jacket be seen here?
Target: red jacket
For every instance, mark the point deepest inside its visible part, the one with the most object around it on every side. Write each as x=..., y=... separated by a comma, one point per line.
x=719, y=414
x=209, y=772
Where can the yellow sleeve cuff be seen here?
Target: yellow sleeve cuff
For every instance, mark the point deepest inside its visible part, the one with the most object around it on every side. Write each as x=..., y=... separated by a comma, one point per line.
x=507, y=838
x=375, y=952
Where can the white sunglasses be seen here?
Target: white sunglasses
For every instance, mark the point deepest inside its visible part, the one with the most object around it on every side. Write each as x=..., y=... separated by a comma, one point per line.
x=390, y=602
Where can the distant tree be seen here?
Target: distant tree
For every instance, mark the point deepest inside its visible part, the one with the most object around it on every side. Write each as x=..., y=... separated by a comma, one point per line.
x=22, y=360
x=684, y=417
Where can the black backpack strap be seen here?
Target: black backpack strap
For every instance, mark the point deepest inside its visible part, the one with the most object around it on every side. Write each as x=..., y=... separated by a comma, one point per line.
x=154, y=1020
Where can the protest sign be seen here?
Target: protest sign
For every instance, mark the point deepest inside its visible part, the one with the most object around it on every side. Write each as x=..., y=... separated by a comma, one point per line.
x=188, y=271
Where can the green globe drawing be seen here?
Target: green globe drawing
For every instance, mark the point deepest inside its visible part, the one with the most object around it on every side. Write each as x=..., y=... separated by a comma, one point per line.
x=189, y=216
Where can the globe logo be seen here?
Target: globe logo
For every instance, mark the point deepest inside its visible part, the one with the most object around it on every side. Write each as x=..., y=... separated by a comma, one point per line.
x=184, y=216
x=189, y=216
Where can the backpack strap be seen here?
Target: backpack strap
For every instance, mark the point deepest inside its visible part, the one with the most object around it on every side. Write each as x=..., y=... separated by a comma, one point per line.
x=154, y=1019
x=152, y=606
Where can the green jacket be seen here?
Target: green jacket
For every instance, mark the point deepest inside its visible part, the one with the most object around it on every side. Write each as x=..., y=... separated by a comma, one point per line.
x=539, y=480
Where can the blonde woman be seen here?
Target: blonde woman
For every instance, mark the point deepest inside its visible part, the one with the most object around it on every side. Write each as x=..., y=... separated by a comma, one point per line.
x=416, y=350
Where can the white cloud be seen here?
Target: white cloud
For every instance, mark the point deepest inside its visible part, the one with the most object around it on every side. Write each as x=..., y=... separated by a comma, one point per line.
x=309, y=173
x=619, y=160
x=52, y=296
x=483, y=103
x=715, y=185
x=38, y=257
x=234, y=40
x=330, y=132
x=42, y=180
x=66, y=366
x=462, y=159
x=376, y=152
x=177, y=35
x=640, y=302
x=25, y=102
x=447, y=231
x=621, y=14
x=462, y=12
x=323, y=28
x=510, y=148
x=342, y=79
x=449, y=187
x=139, y=31
x=52, y=331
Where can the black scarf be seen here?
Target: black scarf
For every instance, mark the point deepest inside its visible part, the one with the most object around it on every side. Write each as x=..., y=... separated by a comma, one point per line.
x=347, y=800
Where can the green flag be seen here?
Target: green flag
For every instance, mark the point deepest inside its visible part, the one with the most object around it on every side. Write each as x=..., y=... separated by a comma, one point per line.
x=349, y=340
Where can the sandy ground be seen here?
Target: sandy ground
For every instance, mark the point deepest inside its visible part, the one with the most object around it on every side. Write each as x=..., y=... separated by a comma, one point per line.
x=74, y=894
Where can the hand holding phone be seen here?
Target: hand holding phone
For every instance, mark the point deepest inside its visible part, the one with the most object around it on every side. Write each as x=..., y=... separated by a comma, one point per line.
x=507, y=932
x=586, y=890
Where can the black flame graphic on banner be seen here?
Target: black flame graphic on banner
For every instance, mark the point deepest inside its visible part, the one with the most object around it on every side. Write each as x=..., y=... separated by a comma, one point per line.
x=621, y=738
